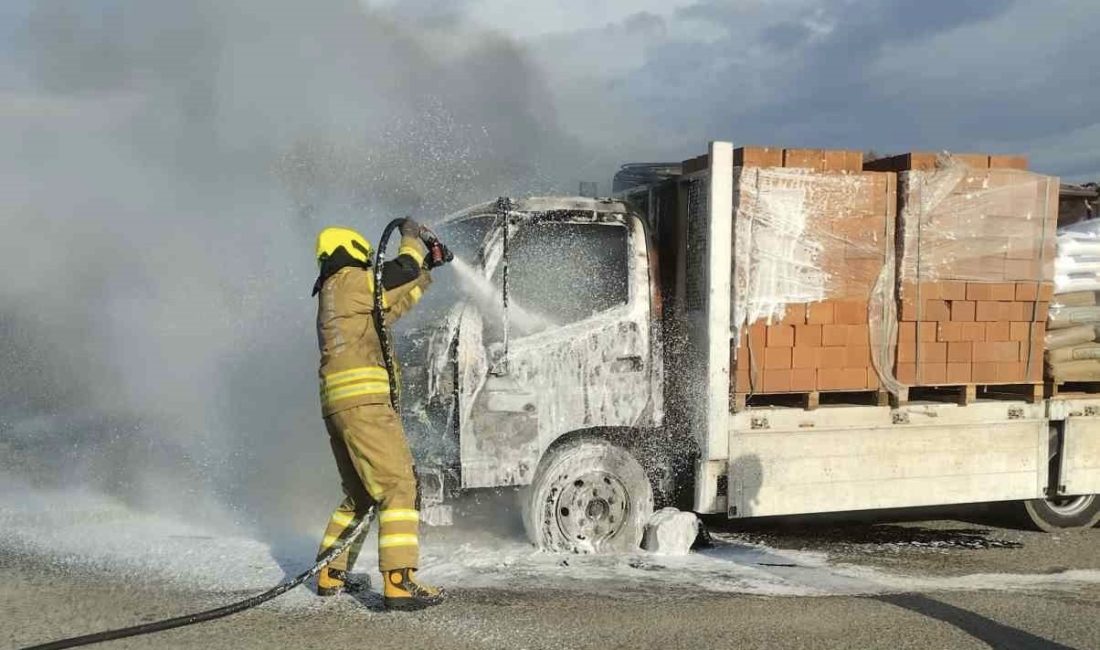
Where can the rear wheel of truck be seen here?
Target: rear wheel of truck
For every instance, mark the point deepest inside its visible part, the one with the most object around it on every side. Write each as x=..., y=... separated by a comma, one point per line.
x=588, y=496
x=1063, y=513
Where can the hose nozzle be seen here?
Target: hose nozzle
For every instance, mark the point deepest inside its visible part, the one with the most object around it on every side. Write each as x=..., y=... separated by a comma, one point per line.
x=438, y=253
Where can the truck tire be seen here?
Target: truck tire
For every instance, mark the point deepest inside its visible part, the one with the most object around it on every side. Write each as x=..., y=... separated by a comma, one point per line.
x=1052, y=515
x=588, y=496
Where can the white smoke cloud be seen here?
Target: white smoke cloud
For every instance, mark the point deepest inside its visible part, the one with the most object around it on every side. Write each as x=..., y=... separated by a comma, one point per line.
x=170, y=163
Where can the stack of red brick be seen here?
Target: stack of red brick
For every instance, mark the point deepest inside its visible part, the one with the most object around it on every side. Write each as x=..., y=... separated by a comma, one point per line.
x=821, y=346
x=974, y=243
x=955, y=332
x=975, y=268
x=848, y=219
x=833, y=160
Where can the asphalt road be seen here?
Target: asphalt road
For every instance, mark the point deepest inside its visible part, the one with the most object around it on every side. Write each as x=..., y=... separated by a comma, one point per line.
x=797, y=583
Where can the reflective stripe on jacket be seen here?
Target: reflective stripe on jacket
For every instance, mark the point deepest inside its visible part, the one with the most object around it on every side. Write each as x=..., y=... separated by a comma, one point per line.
x=352, y=372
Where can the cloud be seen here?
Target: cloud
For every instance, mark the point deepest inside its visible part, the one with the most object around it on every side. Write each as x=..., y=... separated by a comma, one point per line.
x=891, y=75
x=529, y=21
x=797, y=71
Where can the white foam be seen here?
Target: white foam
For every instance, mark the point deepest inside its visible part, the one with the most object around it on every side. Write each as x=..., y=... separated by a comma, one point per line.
x=88, y=531
x=670, y=532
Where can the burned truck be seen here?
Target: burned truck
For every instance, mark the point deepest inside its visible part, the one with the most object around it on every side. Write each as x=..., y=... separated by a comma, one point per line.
x=599, y=358
x=546, y=374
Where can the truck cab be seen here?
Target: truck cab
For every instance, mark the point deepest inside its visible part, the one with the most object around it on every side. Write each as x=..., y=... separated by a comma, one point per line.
x=552, y=351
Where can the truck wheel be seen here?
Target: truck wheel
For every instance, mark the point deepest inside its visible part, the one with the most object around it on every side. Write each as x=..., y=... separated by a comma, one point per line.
x=588, y=496
x=1052, y=515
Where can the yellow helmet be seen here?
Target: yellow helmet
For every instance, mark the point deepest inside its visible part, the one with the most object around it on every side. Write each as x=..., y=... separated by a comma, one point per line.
x=329, y=239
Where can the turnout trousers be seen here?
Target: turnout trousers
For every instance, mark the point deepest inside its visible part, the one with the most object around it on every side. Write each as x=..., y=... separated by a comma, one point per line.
x=376, y=468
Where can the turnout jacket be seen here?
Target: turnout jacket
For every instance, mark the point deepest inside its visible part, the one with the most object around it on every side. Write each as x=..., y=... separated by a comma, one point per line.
x=352, y=372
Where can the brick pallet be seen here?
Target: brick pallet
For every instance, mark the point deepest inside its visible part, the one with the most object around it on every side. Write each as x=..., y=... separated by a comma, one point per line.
x=981, y=333
x=1064, y=388
x=817, y=348
x=975, y=253
x=963, y=394
x=794, y=340
x=788, y=356
x=974, y=238
x=810, y=400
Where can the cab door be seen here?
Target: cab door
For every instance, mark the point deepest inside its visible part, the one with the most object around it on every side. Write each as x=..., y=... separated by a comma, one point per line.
x=568, y=350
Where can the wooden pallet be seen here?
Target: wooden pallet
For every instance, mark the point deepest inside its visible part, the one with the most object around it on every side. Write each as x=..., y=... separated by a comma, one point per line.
x=810, y=400
x=1054, y=389
x=963, y=394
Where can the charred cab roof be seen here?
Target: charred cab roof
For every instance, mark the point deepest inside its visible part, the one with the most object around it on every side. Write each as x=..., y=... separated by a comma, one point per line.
x=537, y=205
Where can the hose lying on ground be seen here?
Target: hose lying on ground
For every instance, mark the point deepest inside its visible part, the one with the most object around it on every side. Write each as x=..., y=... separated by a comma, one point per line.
x=209, y=615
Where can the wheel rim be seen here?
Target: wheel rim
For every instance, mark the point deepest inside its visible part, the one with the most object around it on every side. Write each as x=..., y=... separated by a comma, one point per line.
x=591, y=508
x=1070, y=506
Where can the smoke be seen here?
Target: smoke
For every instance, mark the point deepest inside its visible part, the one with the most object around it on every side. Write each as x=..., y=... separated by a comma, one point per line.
x=169, y=163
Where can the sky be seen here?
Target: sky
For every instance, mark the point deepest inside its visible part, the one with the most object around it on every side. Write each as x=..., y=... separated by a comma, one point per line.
x=887, y=75
x=658, y=79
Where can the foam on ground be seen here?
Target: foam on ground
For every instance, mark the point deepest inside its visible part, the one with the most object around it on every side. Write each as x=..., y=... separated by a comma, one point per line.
x=83, y=531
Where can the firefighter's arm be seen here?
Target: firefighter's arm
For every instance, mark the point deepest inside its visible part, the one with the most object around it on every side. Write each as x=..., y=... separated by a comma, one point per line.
x=410, y=255
x=404, y=279
x=400, y=300
x=408, y=264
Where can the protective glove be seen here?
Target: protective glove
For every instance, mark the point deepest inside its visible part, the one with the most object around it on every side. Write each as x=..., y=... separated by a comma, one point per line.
x=438, y=254
x=410, y=228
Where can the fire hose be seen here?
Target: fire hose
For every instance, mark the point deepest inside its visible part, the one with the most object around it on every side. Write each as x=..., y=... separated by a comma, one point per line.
x=438, y=254
x=220, y=612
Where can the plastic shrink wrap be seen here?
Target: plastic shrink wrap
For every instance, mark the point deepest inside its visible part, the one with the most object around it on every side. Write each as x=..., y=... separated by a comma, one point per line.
x=976, y=260
x=850, y=281
x=811, y=246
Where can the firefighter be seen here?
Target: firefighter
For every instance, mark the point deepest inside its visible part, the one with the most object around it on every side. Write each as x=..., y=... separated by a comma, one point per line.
x=372, y=454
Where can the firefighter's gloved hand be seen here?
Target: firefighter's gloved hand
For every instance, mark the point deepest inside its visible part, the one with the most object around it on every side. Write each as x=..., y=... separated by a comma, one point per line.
x=410, y=228
x=438, y=255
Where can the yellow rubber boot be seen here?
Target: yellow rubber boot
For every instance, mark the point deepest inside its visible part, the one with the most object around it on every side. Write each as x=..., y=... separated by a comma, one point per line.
x=333, y=581
x=329, y=582
x=403, y=593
